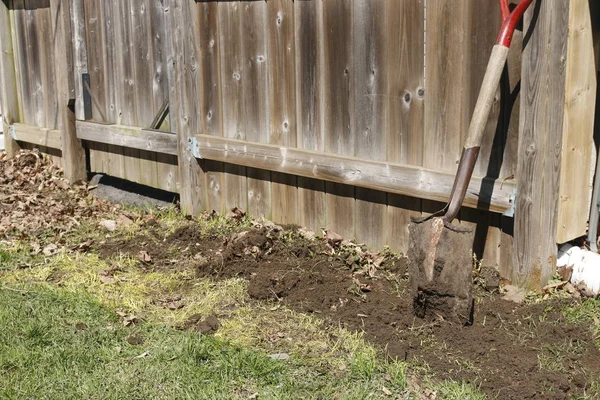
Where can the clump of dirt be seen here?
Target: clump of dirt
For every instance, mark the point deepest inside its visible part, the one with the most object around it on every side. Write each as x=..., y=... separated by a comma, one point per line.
x=205, y=326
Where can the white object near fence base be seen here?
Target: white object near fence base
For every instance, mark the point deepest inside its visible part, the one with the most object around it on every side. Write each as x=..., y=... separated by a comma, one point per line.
x=586, y=266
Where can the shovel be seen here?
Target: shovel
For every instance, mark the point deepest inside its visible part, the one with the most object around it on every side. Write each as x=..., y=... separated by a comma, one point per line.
x=439, y=253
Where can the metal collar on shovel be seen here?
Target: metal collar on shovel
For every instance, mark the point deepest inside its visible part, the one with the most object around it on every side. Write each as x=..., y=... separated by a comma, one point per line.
x=439, y=253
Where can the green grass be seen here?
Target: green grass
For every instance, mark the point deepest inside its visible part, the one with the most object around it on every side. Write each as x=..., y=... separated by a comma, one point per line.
x=452, y=390
x=60, y=344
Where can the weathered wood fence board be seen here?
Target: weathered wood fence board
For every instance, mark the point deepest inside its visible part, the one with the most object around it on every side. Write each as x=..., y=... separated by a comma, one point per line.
x=347, y=115
x=126, y=60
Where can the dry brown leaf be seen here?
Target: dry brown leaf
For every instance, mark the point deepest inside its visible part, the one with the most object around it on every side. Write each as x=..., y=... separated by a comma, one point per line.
x=107, y=280
x=386, y=391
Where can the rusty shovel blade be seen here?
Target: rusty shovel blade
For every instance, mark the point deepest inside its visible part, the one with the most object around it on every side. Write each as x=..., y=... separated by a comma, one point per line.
x=441, y=263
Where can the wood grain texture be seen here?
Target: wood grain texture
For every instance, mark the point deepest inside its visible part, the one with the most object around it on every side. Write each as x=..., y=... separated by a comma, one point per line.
x=21, y=61
x=35, y=73
x=232, y=66
x=404, y=121
x=97, y=50
x=13, y=11
x=144, y=83
x=9, y=99
x=128, y=136
x=576, y=171
x=338, y=107
x=371, y=108
x=73, y=153
x=80, y=54
x=351, y=171
x=166, y=164
x=255, y=95
x=210, y=97
x=47, y=65
x=182, y=67
x=127, y=69
x=447, y=83
x=37, y=136
x=282, y=103
x=540, y=142
x=310, y=133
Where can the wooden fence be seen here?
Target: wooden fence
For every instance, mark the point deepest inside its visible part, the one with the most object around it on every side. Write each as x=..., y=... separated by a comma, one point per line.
x=341, y=114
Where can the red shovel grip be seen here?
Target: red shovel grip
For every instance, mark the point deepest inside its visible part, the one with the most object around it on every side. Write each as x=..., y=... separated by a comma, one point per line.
x=510, y=20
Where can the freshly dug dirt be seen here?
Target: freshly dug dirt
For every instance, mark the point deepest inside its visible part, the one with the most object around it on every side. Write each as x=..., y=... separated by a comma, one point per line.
x=510, y=352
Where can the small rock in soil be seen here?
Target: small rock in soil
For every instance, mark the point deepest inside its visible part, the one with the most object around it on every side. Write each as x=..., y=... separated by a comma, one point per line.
x=514, y=294
x=279, y=356
x=109, y=224
x=123, y=220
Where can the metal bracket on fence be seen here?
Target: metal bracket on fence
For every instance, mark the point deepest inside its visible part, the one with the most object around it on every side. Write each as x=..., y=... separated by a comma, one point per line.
x=194, y=148
x=12, y=132
x=87, y=96
x=511, y=200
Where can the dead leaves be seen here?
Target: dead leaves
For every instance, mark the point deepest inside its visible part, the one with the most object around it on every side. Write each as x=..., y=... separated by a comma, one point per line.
x=37, y=203
x=128, y=319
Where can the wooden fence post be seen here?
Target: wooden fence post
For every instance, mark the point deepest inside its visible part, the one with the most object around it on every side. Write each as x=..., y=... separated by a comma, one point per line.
x=183, y=74
x=540, y=141
x=72, y=149
x=8, y=83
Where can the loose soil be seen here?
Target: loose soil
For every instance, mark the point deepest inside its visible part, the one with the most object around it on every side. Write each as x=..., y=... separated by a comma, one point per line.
x=510, y=352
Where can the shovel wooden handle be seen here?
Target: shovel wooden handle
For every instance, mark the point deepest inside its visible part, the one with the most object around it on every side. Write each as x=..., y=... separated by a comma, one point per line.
x=485, y=100
x=487, y=93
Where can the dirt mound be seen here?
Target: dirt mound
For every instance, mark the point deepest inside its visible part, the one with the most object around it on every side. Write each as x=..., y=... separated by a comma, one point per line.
x=511, y=351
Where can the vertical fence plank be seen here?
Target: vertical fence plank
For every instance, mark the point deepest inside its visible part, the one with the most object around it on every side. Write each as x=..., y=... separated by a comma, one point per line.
x=282, y=103
x=232, y=66
x=80, y=56
x=16, y=50
x=131, y=157
x=404, y=123
x=8, y=83
x=338, y=107
x=255, y=91
x=371, y=107
x=578, y=134
x=34, y=64
x=182, y=67
x=143, y=65
x=166, y=164
x=22, y=61
x=47, y=60
x=97, y=47
x=72, y=150
x=309, y=78
x=447, y=82
x=210, y=95
x=540, y=136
